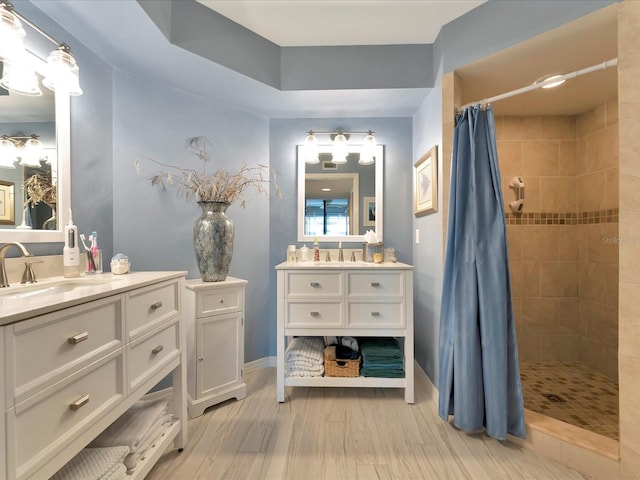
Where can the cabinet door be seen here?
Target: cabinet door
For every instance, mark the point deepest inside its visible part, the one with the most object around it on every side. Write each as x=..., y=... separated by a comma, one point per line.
x=220, y=351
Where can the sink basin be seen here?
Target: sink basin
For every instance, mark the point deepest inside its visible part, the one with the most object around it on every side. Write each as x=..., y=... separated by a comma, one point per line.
x=51, y=288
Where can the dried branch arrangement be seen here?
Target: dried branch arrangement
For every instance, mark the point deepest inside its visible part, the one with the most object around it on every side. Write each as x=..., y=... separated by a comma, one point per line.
x=220, y=186
x=40, y=189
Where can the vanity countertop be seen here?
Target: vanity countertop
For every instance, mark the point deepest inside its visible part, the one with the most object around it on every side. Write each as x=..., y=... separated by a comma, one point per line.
x=343, y=265
x=19, y=302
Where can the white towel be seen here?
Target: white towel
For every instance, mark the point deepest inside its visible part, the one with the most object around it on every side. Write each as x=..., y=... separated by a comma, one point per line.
x=93, y=463
x=305, y=373
x=133, y=426
x=119, y=472
x=131, y=461
x=350, y=342
x=307, y=348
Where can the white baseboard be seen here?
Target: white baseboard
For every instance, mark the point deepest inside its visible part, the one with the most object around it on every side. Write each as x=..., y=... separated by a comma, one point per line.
x=264, y=362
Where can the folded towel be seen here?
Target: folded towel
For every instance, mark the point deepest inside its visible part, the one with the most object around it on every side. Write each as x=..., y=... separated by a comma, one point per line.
x=382, y=373
x=94, y=463
x=131, y=460
x=307, y=348
x=119, y=472
x=380, y=349
x=133, y=426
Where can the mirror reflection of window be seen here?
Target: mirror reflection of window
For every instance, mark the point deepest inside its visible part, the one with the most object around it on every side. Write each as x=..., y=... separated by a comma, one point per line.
x=327, y=217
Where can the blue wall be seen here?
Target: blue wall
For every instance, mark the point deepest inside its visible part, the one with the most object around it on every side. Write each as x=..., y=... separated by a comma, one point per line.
x=154, y=227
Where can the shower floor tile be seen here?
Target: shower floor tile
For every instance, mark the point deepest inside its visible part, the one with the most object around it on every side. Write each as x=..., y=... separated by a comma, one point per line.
x=572, y=393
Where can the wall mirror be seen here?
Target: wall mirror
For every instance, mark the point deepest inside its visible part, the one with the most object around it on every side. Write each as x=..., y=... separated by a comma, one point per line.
x=35, y=198
x=339, y=202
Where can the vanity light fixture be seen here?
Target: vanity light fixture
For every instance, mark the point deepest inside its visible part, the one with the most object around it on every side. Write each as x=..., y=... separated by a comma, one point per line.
x=62, y=72
x=339, y=147
x=27, y=149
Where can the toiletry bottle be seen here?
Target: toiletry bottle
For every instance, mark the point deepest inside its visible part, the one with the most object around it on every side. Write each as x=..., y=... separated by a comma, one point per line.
x=340, y=253
x=304, y=253
x=71, y=251
x=96, y=253
x=316, y=250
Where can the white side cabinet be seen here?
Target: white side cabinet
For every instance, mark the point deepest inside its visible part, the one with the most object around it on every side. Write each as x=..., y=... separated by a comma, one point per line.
x=214, y=312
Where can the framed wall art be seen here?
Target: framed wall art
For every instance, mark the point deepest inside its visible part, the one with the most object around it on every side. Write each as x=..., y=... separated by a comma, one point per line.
x=7, y=208
x=425, y=183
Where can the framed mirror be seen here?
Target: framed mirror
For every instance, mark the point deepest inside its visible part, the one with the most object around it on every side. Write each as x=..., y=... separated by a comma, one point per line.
x=40, y=197
x=339, y=202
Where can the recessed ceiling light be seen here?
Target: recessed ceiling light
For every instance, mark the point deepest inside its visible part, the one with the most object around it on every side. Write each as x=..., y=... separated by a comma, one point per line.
x=326, y=189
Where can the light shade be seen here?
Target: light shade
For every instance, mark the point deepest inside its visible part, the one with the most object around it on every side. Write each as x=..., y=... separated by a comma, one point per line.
x=11, y=35
x=7, y=153
x=31, y=152
x=19, y=77
x=367, y=155
x=339, y=151
x=62, y=72
x=310, y=150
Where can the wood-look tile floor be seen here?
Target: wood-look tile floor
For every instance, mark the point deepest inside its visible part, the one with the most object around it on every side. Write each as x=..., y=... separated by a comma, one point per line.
x=342, y=434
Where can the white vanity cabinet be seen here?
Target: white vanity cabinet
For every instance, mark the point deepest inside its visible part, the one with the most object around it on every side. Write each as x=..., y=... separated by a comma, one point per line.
x=345, y=299
x=81, y=361
x=214, y=312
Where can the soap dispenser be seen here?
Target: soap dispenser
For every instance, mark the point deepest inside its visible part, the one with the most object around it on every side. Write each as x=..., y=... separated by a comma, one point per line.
x=71, y=251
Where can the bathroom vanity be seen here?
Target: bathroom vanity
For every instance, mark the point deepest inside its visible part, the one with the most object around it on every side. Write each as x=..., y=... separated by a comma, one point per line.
x=356, y=299
x=77, y=353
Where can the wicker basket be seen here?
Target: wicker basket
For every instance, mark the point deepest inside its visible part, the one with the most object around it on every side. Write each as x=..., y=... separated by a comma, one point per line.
x=340, y=368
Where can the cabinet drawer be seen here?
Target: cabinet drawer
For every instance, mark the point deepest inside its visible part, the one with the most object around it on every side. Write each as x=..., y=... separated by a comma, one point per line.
x=43, y=424
x=314, y=284
x=151, y=306
x=314, y=315
x=375, y=284
x=220, y=300
x=149, y=354
x=46, y=348
x=376, y=315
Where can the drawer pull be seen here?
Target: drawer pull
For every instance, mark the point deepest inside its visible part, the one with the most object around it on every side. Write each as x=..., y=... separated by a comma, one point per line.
x=315, y=284
x=375, y=314
x=79, y=403
x=315, y=314
x=155, y=306
x=375, y=284
x=157, y=349
x=81, y=337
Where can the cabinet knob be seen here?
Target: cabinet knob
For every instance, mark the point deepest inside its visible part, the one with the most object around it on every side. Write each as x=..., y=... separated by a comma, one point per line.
x=200, y=359
x=155, y=306
x=81, y=337
x=81, y=402
x=315, y=284
x=375, y=284
x=157, y=349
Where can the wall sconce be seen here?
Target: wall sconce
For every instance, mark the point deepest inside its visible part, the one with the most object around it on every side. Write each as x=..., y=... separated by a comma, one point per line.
x=339, y=147
x=26, y=149
x=18, y=74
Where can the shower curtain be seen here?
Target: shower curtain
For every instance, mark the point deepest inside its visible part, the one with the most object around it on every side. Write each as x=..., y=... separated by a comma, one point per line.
x=479, y=381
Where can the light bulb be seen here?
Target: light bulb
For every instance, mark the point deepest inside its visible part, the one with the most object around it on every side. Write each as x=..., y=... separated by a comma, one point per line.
x=310, y=149
x=339, y=152
x=368, y=152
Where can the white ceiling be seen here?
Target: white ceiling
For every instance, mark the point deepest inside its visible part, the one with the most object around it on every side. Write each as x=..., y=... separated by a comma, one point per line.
x=298, y=23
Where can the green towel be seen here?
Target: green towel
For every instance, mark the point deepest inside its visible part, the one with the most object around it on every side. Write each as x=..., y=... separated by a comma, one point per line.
x=380, y=349
x=382, y=373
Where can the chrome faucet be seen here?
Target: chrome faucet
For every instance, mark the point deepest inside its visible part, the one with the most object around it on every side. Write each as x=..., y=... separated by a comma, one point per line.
x=24, y=252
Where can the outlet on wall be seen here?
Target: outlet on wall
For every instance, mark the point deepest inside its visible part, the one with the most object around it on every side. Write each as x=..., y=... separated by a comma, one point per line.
x=417, y=236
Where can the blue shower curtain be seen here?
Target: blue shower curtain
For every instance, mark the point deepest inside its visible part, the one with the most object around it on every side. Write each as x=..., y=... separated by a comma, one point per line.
x=479, y=381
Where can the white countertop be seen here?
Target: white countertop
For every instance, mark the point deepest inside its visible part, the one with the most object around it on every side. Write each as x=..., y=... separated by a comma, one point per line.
x=343, y=265
x=14, y=309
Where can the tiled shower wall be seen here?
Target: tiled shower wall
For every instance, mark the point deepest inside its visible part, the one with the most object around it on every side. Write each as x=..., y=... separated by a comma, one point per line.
x=555, y=245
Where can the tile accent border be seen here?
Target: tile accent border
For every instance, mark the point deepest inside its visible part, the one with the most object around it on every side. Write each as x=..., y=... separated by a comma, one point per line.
x=563, y=218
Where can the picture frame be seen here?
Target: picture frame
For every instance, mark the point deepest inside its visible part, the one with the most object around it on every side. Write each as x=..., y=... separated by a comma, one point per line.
x=369, y=211
x=7, y=205
x=425, y=183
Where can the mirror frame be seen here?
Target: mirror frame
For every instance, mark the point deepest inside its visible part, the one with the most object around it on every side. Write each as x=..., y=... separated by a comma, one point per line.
x=378, y=189
x=63, y=153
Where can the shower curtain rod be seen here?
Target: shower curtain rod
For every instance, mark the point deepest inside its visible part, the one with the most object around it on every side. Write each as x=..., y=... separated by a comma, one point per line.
x=601, y=66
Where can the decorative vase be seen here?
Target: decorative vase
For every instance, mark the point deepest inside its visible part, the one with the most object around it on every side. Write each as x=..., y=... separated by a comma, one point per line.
x=51, y=223
x=213, y=241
